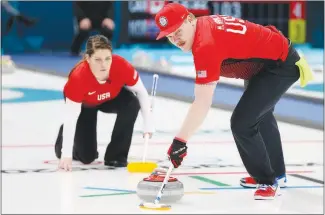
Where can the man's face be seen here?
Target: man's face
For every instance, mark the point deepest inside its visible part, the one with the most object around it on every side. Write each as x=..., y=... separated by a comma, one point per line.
x=183, y=36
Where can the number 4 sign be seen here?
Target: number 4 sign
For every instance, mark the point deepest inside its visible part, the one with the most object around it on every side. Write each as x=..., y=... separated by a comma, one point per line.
x=297, y=10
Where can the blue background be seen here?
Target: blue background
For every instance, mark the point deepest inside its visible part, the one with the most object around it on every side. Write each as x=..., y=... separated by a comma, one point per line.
x=55, y=29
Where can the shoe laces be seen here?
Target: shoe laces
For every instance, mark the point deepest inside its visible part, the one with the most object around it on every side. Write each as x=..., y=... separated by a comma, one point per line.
x=265, y=186
x=262, y=186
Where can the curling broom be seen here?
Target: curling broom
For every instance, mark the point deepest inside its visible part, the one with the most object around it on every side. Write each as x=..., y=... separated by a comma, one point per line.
x=146, y=167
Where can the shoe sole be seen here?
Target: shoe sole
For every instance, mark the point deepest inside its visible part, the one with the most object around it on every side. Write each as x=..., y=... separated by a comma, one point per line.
x=264, y=197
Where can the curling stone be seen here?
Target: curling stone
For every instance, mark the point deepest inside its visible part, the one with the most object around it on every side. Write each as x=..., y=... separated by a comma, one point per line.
x=148, y=188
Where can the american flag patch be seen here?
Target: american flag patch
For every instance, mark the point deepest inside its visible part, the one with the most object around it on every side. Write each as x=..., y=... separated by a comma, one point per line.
x=202, y=74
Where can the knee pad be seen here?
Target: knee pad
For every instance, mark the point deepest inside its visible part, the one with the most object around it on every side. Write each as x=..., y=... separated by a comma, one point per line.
x=87, y=160
x=85, y=157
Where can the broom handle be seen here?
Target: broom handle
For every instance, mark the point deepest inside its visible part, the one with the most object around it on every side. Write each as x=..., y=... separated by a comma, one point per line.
x=146, y=140
x=160, y=192
x=153, y=94
x=154, y=90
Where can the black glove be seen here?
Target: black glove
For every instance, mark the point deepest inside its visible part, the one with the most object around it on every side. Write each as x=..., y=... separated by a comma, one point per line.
x=176, y=152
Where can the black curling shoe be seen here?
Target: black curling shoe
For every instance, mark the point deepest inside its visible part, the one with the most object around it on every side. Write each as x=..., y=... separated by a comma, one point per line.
x=116, y=163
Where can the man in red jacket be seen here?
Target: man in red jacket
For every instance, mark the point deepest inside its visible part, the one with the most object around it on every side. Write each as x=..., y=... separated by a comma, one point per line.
x=235, y=48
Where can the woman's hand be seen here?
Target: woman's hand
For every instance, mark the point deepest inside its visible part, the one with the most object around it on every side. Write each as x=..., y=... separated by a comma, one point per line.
x=66, y=164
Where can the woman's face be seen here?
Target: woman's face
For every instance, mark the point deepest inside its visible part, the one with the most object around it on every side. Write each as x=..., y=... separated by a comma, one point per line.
x=100, y=63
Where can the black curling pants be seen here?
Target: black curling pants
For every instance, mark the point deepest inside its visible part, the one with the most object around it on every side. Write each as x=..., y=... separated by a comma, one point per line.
x=126, y=106
x=82, y=35
x=253, y=124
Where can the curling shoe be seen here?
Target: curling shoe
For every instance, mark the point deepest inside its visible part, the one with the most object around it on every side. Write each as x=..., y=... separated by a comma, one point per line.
x=251, y=183
x=267, y=192
x=116, y=163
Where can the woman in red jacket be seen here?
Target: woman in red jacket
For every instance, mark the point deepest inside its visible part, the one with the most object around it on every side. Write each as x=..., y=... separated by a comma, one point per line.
x=103, y=82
